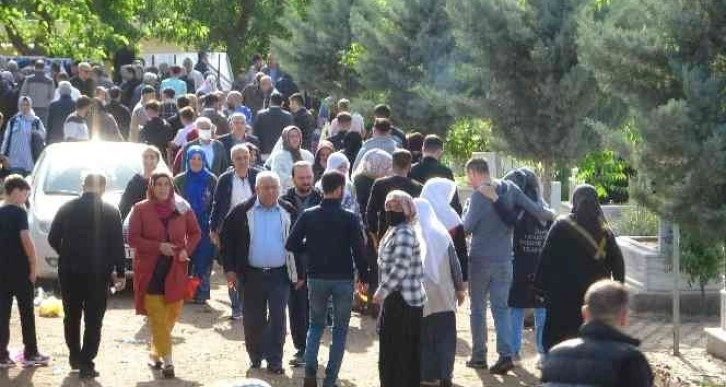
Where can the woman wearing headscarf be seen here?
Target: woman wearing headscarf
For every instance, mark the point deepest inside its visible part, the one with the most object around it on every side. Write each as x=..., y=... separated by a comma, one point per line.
x=352, y=142
x=290, y=152
x=138, y=185
x=580, y=249
x=401, y=294
x=24, y=138
x=375, y=164
x=439, y=193
x=255, y=159
x=444, y=286
x=163, y=232
x=321, y=158
x=338, y=162
x=529, y=238
x=196, y=186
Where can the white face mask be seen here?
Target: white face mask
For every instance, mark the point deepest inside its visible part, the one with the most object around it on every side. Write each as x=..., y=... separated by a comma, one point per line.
x=205, y=134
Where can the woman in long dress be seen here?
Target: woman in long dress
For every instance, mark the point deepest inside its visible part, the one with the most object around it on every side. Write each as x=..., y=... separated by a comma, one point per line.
x=580, y=250
x=287, y=152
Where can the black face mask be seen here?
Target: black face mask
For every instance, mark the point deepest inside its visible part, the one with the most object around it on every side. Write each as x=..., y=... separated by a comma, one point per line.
x=395, y=218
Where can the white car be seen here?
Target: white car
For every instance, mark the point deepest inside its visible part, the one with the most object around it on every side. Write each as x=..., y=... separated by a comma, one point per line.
x=57, y=178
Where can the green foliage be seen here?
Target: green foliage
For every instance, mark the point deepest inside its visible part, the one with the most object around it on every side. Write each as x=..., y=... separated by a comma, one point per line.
x=466, y=136
x=319, y=53
x=665, y=59
x=701, y=261
x=408, y=52
x=608, y=174
x=524, y=75
x=636, y=221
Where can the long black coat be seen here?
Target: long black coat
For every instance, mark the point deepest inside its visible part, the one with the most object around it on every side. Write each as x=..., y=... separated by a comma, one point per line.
x=529, y=239
x=566, y=269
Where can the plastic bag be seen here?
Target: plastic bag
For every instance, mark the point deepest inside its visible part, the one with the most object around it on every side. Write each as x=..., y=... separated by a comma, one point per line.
x=51, y=307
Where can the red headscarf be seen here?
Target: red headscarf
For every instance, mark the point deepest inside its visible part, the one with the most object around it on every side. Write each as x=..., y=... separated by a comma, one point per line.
x=163, y=208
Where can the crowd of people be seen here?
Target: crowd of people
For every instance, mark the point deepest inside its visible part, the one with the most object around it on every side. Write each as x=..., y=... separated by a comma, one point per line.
x=309, y=218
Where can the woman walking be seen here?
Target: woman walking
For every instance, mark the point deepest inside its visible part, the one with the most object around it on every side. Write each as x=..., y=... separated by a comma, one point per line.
x=163, y=231
x=444, y=286
x=580, y=250
x=321, y=158
x=196, y=186
x=138, y=185
x=401, y=292
x=24, y=138
x=288, y=152
x=529, y=238
x=338, y=162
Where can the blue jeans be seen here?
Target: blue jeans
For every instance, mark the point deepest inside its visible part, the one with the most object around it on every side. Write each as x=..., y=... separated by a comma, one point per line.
x=518, y=324
x=235, y=301
x=490, y=277
x=320, y=290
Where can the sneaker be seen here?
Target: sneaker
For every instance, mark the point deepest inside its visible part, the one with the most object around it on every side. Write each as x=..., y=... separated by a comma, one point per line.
x=298, y=360
x=503, y=365
x=6, y=363
x=88, y=374
x=516, y=359
x=37, y=361
x=477, y=364
x=275, y=370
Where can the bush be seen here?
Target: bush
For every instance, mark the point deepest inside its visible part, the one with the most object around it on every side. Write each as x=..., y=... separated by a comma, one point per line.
x=636, y=221
x=464, y=137
x=608, y=173
x=701, y=261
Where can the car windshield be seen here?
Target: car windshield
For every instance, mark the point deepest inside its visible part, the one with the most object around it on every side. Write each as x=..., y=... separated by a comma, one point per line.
x=65, y=173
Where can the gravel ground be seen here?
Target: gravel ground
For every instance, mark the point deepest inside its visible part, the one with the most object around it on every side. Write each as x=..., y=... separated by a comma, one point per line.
x=209, y=351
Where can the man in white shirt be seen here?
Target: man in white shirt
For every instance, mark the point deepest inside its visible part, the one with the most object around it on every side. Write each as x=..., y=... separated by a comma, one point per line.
x=75, y=127
x=235, y=186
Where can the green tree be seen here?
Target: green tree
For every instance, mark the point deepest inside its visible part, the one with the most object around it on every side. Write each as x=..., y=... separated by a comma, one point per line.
x=320, y=49
x=527, y=79
x=408, y=47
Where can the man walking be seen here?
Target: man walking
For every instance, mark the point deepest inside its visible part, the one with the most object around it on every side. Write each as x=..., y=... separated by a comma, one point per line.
x=41, y=90
x=303, y=119
x=332, y=240
x=86, y=233
x=602, y=347
x=430, y=166
x=302, y=196
x=234, y=187
x=490, y=260
x=269, y=124
x=382, y=139
x=253, y=248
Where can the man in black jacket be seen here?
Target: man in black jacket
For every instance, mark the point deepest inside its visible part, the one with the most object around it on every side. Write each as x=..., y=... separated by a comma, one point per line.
x=269, y=124
x=120, y=113
x=58, y=112
x=332, y=239
x=302, y=196
x=303, y=120
x=253, y=248
x=430, y=166
x=603, y=355
x=376, y=221
x=234, y=187
x=86, y=233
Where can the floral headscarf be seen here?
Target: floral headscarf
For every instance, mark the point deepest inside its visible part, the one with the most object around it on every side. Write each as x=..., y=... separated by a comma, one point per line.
x=375, y=164
x=400, y=201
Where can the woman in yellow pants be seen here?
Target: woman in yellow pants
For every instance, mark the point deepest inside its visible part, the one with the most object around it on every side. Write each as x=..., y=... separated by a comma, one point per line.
x=164, y=232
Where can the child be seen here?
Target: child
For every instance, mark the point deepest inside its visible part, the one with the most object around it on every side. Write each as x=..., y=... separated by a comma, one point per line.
x=18, y=274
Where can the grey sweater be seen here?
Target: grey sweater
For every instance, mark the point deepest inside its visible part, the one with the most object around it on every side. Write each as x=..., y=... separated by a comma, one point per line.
x=491, y=238
x=387, y=144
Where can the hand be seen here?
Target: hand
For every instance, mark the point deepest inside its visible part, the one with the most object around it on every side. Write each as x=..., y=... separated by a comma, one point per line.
x=299, y=284
x=377, y=299
x=214, y=237
x=119, y=283
x=489, y=190
x=460, y=297
x=33, y=276
x=167, y=249
x=183, y=256
x=231, y=279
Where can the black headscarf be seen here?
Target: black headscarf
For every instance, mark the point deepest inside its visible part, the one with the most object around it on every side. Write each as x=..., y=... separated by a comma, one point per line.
x=528, y=182
x=586, y=210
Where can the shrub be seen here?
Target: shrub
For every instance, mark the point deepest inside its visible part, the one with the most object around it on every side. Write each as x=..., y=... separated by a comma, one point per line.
x=466, y=136
x=636, y=221
x=608, y=173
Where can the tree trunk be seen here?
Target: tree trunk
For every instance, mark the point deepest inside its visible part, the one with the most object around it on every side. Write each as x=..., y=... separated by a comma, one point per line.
x=548, y=169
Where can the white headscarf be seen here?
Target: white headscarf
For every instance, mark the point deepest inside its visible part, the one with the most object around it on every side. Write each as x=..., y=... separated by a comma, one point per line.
x=436, y=240
x=336, y=161
x=439, y=192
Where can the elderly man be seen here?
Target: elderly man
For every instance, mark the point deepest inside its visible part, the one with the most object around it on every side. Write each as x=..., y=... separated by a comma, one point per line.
x=256, y=96
x=234, y=187
x=213, y=149
x=58, y=112
x=41, y=90
x=269, y=124
x=302, y=196
x=84, y=80
x=602, y=346
x=234, y=105
x=253, y=248
x=238, y=133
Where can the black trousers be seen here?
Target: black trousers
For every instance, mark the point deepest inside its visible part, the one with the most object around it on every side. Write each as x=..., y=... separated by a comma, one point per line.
x=23, y=291
x=263, y=314
x=399, y=357
x=298, y=311
x=84, y=296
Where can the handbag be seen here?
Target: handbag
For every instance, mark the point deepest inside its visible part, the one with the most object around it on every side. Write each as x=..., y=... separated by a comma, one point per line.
x=190, y=291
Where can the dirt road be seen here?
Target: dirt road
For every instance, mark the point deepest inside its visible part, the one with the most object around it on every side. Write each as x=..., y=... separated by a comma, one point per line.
x=209, y=351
